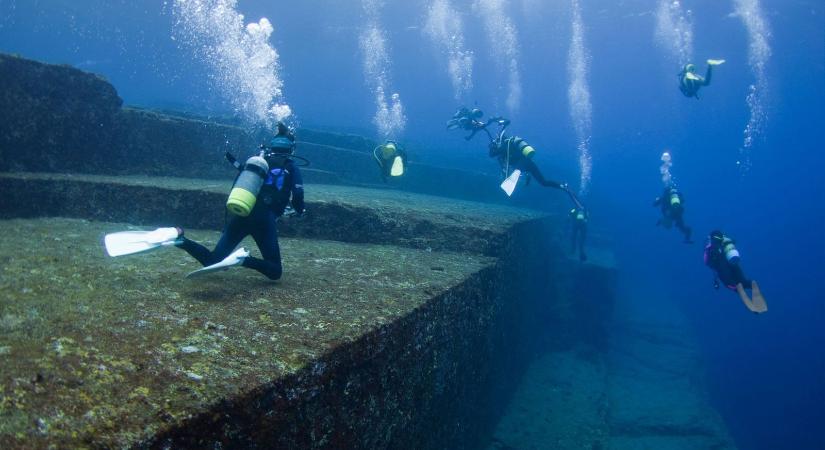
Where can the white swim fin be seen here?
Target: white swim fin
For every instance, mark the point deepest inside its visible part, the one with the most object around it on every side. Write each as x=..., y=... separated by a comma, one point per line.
x=397, y=167
x=716, y=62
x=234, y=259
x=509, y=185
x=131, y=242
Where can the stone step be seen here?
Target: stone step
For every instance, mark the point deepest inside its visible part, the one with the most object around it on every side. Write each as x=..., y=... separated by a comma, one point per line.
x=342, y=213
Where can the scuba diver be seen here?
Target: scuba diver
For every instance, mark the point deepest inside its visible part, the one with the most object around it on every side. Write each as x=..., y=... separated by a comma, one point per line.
x=723, y=258
x=467, y=119
x=391, y=158
x=690, y=83
x=578, y=231
x=263, y=189
x=511, y=152
x=671, y=203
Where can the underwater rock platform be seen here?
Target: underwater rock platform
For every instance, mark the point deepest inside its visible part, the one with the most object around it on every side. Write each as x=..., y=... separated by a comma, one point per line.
x=111, y=352
x=414, y=340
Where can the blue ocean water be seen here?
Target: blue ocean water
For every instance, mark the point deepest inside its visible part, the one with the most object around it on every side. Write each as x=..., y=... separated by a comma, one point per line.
x=766, y=373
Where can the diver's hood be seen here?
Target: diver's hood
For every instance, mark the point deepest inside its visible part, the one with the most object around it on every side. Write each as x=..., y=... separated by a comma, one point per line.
x=281, y=144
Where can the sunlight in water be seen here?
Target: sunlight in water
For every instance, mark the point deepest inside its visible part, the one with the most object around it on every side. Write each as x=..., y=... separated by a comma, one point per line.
x=581, y=110
x=389, y=114
x=759, y=52
x=502, y=39
x=244, y=65
x=445, y=29
x=674, y=30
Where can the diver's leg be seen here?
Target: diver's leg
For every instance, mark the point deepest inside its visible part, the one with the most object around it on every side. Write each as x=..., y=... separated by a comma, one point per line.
x=573, y=237
x=232, y=235
x=708, y=74
x=582, y=255
x=527, y=165
x=680, y=224
x=266, y=236
x=744, y=296
x=739, y=275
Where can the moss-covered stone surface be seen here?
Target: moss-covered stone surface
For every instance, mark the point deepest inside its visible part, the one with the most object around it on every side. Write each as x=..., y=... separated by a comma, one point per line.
x=109, y=352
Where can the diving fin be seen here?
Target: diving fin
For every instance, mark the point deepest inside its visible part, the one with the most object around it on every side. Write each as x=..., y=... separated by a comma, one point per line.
x=758, y=300
x=509, y=185
x=397, y=167
x=716, y=62
x=757, y=304
x=234, y=259
x=131, y=242
x=691, y=76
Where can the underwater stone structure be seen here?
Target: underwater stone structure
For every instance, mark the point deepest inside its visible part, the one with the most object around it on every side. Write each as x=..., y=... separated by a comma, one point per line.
x=402, y=320
x=408, y=334
x=55, y=118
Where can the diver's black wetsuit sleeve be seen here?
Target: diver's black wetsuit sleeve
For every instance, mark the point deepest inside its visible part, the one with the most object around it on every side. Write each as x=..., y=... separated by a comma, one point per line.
x=297, y=190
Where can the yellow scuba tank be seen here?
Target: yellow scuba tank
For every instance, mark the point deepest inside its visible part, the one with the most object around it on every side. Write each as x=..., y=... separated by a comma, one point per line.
x=674, y=198
x=245, y=190
x=388, y=150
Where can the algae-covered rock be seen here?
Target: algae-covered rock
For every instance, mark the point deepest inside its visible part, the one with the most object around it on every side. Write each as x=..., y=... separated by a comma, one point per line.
x=47, y=112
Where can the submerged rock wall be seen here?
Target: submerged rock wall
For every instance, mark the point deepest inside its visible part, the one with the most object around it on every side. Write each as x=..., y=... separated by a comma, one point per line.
x=61, y=119
x=436, y=376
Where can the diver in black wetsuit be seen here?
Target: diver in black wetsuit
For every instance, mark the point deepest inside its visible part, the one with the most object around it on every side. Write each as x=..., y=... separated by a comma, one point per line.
x=672, y=205
x=283, y=185
x=723, y=258
x=690, y=83
x=511, y=152
x=391, y=159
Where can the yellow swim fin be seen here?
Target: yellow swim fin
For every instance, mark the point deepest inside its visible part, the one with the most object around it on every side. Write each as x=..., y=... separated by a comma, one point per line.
x=757, y=298
x=757, y=305
x=716, y=62
x=693, y=77
x=397, y=167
